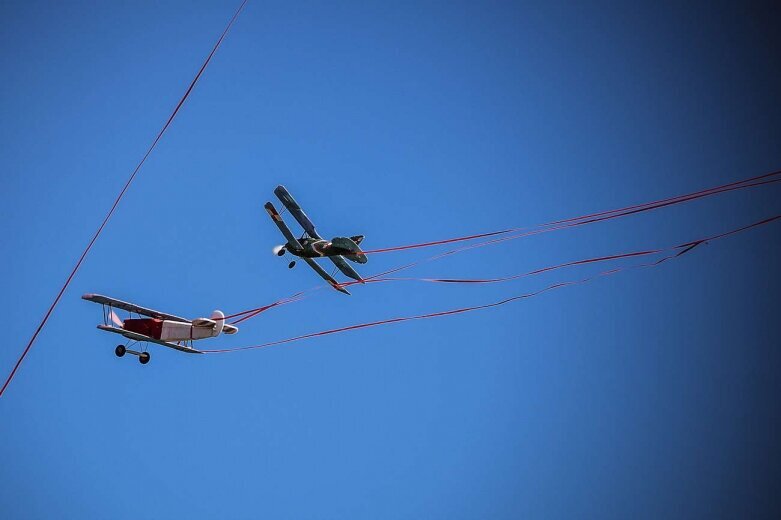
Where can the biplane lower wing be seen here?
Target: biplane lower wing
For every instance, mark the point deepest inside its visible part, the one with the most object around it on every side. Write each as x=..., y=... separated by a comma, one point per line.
x=345, y=268
x=327, y=277
x=292, y=206
x=140, y=337
x=130, y=307
x=277, y=218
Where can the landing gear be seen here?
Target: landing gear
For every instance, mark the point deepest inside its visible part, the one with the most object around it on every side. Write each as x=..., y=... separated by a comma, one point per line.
x=143, y=357
x=281, y=252
x=291, y=265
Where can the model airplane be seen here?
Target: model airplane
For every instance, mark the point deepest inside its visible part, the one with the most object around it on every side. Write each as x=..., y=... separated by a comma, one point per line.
x=311, y=245
x=157, y=327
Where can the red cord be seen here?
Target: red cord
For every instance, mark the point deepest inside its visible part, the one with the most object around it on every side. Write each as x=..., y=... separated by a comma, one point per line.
x=602, y=215
x=118, y=199
x=677, y=251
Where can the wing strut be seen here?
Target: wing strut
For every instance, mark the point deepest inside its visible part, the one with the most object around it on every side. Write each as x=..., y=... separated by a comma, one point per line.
x=327, y=277
x=346, y=268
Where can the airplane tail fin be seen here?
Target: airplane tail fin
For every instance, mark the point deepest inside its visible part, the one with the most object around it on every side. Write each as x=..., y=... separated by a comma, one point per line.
x=353, y=250
x=219, y=318
x=222, y=326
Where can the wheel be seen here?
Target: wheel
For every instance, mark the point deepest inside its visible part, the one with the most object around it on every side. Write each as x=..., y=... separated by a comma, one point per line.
x=281, y=252
x=144, y=357
x=291, y=265
x=120, y=350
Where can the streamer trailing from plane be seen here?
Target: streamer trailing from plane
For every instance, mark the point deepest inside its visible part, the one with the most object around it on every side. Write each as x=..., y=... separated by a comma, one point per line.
x=751, y=182
x=672, y=253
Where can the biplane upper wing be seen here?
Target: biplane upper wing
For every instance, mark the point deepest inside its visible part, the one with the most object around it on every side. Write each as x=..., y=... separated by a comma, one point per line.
x=277, y=218
x=130, y=307
x=292, y=206
x=140, y=337
x=345, y=268
x=327, y=277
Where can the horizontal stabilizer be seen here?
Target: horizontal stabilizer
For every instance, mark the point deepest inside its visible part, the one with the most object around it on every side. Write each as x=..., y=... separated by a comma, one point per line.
x=229, y=329
x=348, y=244
x=204, y=322
x=359, y=258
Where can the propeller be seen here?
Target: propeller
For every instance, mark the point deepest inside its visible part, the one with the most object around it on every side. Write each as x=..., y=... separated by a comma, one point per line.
x=119, y=323
x=279, y=250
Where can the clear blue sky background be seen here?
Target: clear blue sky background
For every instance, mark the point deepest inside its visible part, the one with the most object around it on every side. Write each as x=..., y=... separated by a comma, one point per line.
x=648, y=394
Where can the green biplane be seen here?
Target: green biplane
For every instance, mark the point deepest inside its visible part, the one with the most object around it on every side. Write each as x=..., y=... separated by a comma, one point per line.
x=311, y=245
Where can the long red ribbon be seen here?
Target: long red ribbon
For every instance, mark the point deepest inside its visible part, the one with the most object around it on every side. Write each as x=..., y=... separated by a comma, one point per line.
x=572, y=224
x=679, y=250
x=602, y=215
x=751, y=182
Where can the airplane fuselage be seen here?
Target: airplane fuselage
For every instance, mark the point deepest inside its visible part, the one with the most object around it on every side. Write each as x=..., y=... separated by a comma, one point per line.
x=319, y=247
x=316, y=248
x=167, y=330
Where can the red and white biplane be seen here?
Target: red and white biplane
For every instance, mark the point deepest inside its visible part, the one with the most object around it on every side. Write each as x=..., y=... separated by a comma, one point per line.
x=157, y=327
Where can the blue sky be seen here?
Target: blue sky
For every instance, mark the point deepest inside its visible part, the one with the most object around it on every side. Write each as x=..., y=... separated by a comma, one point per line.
x=648, y=394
